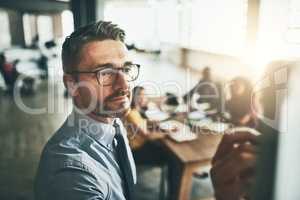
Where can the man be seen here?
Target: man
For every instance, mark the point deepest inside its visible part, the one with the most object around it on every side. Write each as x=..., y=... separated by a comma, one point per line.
x=239, y=105
x=244, y=162
x=89, y=156
x=208, y=90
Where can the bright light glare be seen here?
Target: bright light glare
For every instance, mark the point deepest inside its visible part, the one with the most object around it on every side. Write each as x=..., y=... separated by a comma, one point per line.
x=67, y=23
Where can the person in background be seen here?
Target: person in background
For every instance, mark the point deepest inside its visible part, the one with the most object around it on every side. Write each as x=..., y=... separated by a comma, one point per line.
x=136, y=124
x=9, y=73
x=240, y=104
x=142, y=133
x=35, y=42
x=207, y=90
x=244, y=162
x=141, y=101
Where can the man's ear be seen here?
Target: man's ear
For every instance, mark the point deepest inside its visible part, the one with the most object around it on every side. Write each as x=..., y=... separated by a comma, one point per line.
x=70, y=84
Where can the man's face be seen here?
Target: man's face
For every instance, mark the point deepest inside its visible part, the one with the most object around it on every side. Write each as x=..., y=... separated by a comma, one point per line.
x=111, y=100
x=237, y=89
x=206, y=74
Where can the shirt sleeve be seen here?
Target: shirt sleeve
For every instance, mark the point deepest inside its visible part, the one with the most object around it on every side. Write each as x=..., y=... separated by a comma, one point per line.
x=74, y=183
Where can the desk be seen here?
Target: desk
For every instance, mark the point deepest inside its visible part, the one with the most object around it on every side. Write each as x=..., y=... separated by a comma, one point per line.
x=185, y=158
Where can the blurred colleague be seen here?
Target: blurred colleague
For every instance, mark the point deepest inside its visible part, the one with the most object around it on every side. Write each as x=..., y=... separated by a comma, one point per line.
x=240, y=105
x=244, y=162
x=141, y=132
x=35, y=42
x=89, y=156
x=135, y=123
x=206, y=89
x=9, y=73
x=140, y=101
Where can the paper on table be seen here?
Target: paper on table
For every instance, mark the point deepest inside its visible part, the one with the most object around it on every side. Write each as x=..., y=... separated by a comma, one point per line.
x=183, y=135
x=202, y=123
x=196, y=115
x=203, y=106
x=183, y=132
x=156, y=115
x=218, y=127
x=170, y=125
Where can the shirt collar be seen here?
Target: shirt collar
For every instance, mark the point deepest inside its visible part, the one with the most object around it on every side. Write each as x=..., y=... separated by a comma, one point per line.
x=103, y=133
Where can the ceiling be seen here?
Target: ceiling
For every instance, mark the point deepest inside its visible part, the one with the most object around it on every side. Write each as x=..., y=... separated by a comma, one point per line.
x=35, y=5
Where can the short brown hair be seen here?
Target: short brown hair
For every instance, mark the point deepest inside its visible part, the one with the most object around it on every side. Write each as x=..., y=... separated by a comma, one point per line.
x=98, y=31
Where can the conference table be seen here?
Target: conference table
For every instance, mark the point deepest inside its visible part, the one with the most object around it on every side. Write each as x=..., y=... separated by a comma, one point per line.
x=185, y=158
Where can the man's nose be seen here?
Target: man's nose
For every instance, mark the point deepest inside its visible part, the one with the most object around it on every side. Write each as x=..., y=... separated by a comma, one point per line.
x=121, y=81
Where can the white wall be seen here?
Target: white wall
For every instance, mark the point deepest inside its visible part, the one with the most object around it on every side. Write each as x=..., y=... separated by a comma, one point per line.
x=225, y=67
x=278, y=38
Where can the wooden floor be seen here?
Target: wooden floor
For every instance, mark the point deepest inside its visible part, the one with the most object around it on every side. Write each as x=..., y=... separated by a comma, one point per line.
x=23, y=135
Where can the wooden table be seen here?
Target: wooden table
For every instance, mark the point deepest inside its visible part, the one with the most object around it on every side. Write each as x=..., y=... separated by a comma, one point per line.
x=185, y=159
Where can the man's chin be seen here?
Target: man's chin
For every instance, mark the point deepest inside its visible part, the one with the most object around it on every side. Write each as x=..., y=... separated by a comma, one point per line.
x=114, y=111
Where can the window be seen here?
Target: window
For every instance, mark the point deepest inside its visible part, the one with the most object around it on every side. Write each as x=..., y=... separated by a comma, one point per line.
x=139, y=21
x=45, y=28
x=41, y=25
x=218, y=26
x=279, y=29
x=167, y=19
x=293, y=30
x=67, y=23
x=4, y=30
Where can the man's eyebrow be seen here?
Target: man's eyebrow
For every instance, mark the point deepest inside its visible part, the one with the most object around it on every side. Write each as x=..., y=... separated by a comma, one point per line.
x=108, y=65
x=105, y=65
x=128, y=63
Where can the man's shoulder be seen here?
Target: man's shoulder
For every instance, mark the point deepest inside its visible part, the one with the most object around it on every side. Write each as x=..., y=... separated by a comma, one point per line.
x=66, y=137
x=66, y=148
x=64, y=166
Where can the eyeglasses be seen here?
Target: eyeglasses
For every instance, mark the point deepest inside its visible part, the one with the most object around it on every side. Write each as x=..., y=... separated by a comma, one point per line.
x=108, y=75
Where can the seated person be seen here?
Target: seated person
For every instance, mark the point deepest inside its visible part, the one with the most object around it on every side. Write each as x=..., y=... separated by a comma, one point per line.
x=208, y=90
x=141, y=140
x=136, y=123
x=10, y=75
x=238, y=170
x=239, y=105
x=9, y=72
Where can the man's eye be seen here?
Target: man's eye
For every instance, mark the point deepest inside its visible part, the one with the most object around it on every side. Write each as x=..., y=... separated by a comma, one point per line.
x=126, y=69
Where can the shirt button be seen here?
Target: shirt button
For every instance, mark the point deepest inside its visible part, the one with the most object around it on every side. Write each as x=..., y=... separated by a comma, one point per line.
x=109, y=145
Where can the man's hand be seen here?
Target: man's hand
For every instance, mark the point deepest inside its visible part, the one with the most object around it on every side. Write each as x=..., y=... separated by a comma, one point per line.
x=233, y=166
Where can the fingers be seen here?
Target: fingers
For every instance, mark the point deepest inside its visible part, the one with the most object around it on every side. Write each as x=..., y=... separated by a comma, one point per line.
x=227, y=183
x=230, y=191
x=228, y=142
x=233, y=165
x=238, y=164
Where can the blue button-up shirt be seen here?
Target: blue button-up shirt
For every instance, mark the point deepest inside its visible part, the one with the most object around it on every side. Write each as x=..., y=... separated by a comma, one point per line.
x=79, y=162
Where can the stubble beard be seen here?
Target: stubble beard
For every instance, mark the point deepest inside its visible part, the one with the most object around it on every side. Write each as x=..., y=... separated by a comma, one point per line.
x=104, y=110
